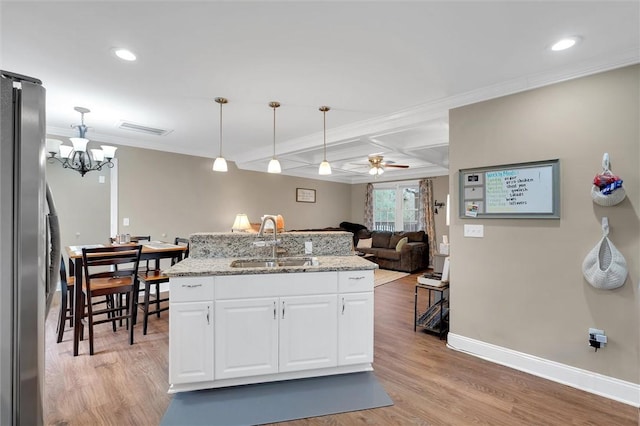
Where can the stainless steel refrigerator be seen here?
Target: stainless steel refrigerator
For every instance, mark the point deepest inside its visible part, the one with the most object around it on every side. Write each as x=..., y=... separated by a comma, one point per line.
x=29, y=252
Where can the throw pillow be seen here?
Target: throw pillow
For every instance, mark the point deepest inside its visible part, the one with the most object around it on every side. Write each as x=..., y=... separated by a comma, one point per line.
x=401, y=243
x=393, y=241
x=381, y=239
x=364, y=243
x=416, y=236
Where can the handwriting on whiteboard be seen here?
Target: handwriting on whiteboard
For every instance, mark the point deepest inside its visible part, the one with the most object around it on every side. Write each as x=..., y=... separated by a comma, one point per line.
x=520, y=190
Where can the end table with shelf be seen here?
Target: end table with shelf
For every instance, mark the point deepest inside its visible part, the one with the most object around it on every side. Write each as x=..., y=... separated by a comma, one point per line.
x=435, y=318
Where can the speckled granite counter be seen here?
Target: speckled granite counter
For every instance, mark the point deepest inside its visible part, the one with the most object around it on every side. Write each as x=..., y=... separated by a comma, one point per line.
x=241, y=244
x=222, y=266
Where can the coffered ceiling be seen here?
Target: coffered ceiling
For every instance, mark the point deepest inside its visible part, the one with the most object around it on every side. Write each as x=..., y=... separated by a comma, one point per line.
x=389, y=70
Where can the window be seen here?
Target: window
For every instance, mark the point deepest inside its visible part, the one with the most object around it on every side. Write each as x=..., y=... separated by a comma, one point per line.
x=396, y=206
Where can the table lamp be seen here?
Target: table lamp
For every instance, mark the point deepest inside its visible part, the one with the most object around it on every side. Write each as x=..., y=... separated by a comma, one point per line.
x=241, y=224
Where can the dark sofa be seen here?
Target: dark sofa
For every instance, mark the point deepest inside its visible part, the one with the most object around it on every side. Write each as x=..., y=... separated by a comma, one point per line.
x=412, y=256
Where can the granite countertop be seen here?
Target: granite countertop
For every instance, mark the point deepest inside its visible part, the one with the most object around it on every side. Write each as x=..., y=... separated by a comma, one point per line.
x=222, y=266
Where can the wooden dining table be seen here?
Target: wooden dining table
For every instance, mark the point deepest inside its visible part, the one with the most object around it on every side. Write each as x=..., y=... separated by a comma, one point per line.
x=153, y=250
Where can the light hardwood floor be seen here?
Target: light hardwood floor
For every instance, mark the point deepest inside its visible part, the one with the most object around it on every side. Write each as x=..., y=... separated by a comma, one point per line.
x=429, y=383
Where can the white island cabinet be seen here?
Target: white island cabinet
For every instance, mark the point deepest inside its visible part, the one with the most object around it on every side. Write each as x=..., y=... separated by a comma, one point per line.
x=269, y=327
x=191, y=330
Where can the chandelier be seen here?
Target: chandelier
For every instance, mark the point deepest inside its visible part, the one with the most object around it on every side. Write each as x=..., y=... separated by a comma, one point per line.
x=76, y=157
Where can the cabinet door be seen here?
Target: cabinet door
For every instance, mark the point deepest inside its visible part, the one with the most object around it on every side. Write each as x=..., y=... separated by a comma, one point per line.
x=355, y=328
x=191, y=342
x=246, y=337
x=308, y=332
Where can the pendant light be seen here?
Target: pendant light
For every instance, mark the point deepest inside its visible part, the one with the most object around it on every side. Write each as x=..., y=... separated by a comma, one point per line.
x=274, y=164
x=325, y=167
x=220, y=165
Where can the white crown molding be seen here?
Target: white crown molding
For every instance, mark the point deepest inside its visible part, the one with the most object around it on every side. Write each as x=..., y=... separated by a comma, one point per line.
x=608, y=387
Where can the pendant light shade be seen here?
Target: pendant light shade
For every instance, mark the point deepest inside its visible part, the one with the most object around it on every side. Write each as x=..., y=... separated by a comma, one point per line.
x=274, y=164
x=325, y=167
x=220, y=164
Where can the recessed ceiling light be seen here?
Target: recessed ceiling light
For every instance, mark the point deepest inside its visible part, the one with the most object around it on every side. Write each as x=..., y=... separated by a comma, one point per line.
x=125, y=54
x=565, y=43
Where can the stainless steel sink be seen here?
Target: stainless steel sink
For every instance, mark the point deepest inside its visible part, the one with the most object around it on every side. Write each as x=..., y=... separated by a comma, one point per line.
x=278, y=263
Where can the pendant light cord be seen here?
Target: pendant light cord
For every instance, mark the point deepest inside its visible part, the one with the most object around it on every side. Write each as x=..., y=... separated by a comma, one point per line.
x=274, y=132
x=220, y=129
x=324, y=132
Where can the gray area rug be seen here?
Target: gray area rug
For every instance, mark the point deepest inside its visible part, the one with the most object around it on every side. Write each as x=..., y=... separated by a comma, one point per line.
x=277, y=401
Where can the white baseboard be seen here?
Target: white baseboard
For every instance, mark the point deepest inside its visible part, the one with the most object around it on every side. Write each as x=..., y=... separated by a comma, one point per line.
x=608, y=387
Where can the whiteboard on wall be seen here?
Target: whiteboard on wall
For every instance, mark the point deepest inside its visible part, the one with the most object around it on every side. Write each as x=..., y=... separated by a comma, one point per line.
x=524, y=190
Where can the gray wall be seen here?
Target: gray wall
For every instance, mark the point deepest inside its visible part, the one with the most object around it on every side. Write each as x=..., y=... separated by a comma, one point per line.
x=82, y=204
x=167, y=195
x=521, y=286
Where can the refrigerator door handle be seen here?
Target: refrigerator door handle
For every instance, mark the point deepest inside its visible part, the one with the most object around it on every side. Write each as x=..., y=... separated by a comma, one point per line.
x=55, y=250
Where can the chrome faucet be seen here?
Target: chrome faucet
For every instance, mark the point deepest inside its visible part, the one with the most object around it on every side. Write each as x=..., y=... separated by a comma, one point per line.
x=275, y=233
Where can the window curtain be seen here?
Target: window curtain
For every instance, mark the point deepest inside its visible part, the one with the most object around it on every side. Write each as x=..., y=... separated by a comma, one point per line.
x=368, y=207
x=426, y=215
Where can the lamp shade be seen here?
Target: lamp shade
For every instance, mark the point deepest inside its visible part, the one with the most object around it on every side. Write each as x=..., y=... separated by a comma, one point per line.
x=241, y=223
x=274, y=166
x=109, y=151
x=53, y=145
x=65, y=151
x=98, y=155
x=325, y=168
x=220, y=165
x=79, y=144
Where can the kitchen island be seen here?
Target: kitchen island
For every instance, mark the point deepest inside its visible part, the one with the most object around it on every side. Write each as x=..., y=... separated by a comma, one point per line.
x=238, y=325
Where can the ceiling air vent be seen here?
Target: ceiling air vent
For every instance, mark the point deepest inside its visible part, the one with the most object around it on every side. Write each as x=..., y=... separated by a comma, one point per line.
x=127, y=125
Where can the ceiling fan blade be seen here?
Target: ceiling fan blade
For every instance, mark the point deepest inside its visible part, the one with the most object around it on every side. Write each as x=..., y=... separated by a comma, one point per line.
x=398, y=166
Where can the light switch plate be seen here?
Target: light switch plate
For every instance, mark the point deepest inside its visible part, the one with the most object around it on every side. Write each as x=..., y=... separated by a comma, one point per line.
x=125, y=221
x=474, y=231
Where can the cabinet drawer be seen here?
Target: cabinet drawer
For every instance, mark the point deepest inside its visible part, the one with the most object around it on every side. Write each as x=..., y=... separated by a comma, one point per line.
x=275, y=285
x=191, y=289
x=350, y=281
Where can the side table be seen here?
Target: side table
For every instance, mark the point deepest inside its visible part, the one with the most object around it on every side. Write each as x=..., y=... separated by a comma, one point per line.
x=435, y=318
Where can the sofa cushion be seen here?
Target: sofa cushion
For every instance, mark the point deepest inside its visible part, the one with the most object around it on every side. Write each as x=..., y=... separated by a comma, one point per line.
x=388, y=254
x=380, y=239
x=364, y=243
x=393, y=241
x=415, y=237
x=401, y=243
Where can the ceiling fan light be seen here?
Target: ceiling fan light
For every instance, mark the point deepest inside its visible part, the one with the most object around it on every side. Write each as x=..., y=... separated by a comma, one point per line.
x=220, y=165
x=325, y=168
x=274, y=166
x=372, y=171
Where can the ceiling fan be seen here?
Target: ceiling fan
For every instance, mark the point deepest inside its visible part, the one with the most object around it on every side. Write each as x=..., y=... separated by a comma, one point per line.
x=377, y=165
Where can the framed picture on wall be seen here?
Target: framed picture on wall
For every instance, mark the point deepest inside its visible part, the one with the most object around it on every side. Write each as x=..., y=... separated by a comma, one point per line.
x=304, y=195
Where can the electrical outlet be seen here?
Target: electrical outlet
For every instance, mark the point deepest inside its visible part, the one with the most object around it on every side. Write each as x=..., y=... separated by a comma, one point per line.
x=474, y=231
x=597, y=338
x=308, y=247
